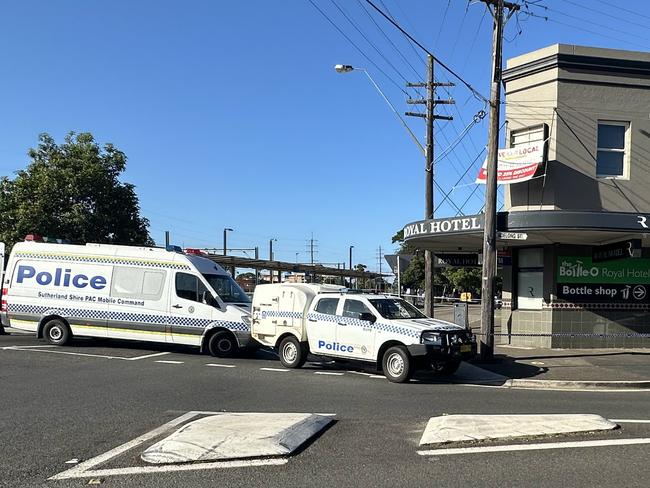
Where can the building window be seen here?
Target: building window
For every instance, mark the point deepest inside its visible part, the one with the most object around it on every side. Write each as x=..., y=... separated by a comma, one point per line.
x=613, y=153
x=528, y=135
x=530, y=279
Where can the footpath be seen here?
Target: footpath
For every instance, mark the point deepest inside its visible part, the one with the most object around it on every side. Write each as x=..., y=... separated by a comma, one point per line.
x=563, y=368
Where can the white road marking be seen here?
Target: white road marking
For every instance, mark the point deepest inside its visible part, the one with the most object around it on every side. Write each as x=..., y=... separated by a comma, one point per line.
x=170, y=362
x=376, y=376
x=38, y=349
x=359, y=372
x=221, y=365
x=534, y=447
x=72, y=461
x=175, y=467
x=275, y=369
x=84, y=469
x=630, y=421
x=147, y=356
x=330, y=373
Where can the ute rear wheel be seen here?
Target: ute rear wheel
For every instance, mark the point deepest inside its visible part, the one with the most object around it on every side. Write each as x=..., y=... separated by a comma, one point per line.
x=292, y=353
x=223, y=345
x=397, y=364
x=57, y=332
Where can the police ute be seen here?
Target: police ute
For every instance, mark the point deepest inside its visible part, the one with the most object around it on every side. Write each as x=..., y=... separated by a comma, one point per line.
x=299, y=319
x=60, y=291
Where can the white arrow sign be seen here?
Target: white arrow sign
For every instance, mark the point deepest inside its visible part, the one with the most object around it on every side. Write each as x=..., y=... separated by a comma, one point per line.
x=512, y=236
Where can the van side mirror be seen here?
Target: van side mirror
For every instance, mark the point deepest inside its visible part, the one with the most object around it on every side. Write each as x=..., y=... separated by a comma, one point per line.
x=368, y=317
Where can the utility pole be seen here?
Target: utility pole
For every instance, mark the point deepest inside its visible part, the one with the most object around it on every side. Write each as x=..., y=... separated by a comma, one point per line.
x=257, y=271
x=351, y=247
x=166, y=239
x=430, y=116
x=496, y=7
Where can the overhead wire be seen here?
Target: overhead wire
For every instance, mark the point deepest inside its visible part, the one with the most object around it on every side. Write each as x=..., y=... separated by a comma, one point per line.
x=399, y=87
x=436, y=59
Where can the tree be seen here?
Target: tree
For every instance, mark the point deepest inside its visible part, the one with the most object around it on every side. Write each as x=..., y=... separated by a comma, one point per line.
x=246, y=276
x=465, y=279
x=72, y=191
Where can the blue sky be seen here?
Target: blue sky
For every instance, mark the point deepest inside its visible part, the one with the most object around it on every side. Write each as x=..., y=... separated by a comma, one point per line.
x=232, y=115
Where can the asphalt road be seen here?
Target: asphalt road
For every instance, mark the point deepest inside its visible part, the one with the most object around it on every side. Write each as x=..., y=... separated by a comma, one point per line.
x=57, y=407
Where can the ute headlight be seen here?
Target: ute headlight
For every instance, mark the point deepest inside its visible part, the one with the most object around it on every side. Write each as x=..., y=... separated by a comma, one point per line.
x=246, y=319
x=429, y=337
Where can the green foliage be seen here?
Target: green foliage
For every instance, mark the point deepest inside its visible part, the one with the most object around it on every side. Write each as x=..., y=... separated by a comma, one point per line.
x=72, y=191
x=246, y=276
x=413, y=275
x=465, y=279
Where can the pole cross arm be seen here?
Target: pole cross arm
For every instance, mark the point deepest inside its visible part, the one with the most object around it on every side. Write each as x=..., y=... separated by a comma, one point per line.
x=416, y=114
x=441, y=101
x=411, y=101
x=443, y=117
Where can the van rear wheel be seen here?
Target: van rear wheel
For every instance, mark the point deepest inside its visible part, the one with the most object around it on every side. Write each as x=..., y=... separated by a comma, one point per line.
x=57, y=332
x=293, y=354
x=223, y=345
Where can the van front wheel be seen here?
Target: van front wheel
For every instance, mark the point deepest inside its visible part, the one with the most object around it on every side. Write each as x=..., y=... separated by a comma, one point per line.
x=57, y=332
x=223, y=345
x=293, y=354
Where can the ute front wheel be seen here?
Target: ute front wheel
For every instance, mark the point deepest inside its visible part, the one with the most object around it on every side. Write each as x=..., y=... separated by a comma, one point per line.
x=397, y=364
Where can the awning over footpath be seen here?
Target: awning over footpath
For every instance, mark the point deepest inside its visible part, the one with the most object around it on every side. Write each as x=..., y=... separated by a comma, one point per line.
x=528, y=228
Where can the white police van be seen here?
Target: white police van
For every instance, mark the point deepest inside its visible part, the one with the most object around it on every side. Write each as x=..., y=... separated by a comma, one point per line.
x=147, y=294
x=299, y=319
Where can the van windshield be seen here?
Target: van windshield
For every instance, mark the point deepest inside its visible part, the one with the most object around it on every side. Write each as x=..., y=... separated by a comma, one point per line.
x=396, y=308
x=227, y=288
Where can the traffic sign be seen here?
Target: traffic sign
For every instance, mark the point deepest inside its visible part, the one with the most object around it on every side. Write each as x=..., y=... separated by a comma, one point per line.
x=512, y=236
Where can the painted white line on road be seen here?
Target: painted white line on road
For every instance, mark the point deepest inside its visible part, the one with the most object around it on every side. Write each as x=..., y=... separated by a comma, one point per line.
x=359, y=373
x=170, y=362
x=80, y=470
x=221, y=365
x=26, y=347
x=66, y=352
x=534, y=447
x=137, y=358
x=330, y=373
x=72, y=461
x=376, y=376
x=175, y=467
x=275, y=369
x=630, y=421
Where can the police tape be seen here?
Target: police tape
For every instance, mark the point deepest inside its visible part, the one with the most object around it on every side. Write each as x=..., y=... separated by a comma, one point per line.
x=565, y=334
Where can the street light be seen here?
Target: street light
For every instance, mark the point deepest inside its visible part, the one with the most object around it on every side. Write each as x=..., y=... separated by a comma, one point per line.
x=297, y=257
x=225, y=234
x=346, y=68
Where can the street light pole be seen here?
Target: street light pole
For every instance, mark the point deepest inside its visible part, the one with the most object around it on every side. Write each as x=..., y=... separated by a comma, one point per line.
x=271, y=257
x=351, y=247
x=225, y=236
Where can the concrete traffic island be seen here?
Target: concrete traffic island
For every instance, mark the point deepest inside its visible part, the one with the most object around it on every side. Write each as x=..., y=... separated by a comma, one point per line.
x=471, y=428
x=230, y=436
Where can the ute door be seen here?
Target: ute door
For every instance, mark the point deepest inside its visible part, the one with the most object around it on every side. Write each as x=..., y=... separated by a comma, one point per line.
x=188, y=315
x=356, y=337
x=321, y=325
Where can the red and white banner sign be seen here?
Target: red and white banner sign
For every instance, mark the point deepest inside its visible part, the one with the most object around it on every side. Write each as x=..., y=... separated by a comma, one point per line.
x=516, y=165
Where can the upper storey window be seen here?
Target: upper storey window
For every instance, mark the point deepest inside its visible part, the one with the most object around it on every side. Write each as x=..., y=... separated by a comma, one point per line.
x=613, y=154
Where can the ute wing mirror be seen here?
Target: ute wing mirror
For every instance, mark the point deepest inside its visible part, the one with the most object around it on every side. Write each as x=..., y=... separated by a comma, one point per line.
x=368, y=317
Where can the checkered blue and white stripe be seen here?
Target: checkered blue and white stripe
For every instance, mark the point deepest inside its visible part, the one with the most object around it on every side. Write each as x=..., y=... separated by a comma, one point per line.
x=384, y=327
x=125, y=316
x=280, y=315
x=102, y=260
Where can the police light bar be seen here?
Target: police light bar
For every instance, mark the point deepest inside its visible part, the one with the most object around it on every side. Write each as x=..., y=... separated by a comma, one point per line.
x=33, y=238
x=194, y=251
x=172, y=248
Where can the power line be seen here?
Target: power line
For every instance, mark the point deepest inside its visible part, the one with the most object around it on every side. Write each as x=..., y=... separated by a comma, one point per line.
x=624, y=9
x=357, y=47
x=358, y=29
x=437, y=60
